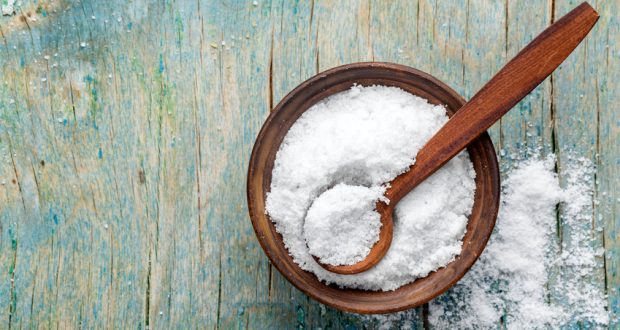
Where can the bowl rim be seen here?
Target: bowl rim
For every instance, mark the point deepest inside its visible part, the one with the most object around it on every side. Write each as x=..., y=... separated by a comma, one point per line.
x=493, y=170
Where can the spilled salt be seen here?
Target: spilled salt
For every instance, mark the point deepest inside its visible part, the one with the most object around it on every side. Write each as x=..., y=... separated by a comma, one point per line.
x=525, y=279
x=514, y=259
x=365, y=137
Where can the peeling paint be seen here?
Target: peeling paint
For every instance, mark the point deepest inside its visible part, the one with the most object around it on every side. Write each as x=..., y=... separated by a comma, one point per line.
x=176, y=221
x=8, y=7
x=26, y=16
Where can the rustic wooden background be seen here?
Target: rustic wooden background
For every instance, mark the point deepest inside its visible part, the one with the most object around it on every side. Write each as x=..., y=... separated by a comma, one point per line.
x=126, y=129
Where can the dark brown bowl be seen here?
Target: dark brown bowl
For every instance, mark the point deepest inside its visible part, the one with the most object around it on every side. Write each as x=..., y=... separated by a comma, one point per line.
x=479, y=227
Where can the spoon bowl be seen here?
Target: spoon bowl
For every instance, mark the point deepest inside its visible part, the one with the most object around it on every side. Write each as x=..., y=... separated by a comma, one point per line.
x=479, y=226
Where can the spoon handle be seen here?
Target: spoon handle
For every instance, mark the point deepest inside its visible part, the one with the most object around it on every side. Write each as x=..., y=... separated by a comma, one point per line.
x=511, y=84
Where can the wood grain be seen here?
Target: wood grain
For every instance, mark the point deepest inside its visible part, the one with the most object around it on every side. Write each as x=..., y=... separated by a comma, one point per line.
x=168, y=185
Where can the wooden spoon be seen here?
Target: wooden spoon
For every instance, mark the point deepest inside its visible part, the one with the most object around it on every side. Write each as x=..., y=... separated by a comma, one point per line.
x=511, y=84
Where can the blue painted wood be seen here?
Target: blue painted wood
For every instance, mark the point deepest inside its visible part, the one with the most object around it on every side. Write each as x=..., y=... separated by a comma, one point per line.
x=126, y=128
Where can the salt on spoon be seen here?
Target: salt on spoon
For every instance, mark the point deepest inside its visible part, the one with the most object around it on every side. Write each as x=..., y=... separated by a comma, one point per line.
x=354, y=225
x=511, y=84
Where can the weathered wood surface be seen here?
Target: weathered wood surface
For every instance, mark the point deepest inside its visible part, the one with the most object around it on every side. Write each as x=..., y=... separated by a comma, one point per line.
x=126, y=128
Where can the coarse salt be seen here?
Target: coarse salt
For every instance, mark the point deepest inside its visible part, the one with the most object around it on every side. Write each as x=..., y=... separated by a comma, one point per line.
x=365, y=137
x=342, y=224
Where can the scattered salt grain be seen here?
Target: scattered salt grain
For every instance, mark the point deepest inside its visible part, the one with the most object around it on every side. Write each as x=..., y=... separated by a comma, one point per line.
x=366, y=136
x=512, y=280
x=522, y=281
x=511, y=275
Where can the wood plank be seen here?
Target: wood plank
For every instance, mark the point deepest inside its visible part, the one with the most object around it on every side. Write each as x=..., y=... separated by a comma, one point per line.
x=606, y=47
x=583, y=131
x=129, y=156
x=526, y=130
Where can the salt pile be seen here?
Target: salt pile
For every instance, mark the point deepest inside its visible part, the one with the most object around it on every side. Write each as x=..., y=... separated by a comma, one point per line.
x=365, y=137
x=523, y=279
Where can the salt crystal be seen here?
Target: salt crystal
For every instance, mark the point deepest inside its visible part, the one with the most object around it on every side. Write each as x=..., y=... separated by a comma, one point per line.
x=348, y=138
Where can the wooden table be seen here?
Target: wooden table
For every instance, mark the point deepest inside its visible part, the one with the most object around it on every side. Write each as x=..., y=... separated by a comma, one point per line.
x=126, y=129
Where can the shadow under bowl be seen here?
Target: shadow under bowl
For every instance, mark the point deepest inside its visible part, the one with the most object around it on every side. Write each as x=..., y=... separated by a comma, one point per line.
x=479, y=226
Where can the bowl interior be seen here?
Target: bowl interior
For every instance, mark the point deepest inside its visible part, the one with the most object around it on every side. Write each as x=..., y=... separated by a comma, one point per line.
x=479, y=227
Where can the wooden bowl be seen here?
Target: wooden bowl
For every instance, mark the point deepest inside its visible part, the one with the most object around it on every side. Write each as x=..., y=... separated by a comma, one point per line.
x=479, y=227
